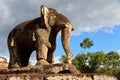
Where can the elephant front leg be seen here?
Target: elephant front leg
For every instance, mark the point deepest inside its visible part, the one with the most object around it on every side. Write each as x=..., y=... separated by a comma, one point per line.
x=41, y=51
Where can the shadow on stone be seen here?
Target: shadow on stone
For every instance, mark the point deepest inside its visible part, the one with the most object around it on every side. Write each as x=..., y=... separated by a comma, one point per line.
x=65, y=71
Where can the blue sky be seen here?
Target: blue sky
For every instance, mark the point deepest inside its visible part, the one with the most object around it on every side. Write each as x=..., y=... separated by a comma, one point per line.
x=98, y=20
x=103, y=41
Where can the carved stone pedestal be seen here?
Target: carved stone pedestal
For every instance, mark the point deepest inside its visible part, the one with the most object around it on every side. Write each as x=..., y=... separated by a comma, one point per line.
x=50, y=72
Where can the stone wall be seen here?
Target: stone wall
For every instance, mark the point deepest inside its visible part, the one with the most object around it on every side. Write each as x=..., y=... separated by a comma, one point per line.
x=50, y=72
x=36, y=76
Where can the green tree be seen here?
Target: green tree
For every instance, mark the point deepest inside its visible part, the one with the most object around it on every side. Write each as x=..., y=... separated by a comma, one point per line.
x=79, y=62
x=113, y=59
x=96, y=61
x=86, y=43
x=89, y=63
x=112, y=65
x=63, y=59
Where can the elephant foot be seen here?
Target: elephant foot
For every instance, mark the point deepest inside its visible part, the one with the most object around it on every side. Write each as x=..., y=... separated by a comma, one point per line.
x=42, y=62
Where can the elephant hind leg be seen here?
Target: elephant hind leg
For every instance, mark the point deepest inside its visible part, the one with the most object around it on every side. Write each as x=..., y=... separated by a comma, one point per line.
x=14, y=58
x=25, y=55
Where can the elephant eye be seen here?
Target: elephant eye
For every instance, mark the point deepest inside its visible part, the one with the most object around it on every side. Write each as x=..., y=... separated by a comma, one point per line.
x=52, y=17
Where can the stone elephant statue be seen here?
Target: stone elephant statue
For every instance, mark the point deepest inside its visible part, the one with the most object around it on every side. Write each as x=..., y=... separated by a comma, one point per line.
x=39, y=34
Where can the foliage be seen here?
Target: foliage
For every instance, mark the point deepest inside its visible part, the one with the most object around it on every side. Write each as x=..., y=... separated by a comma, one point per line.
x=113, y=59
x=79, y=62
x=98, y=62
x=87, y=43
x=90, y=62
x=63, y=59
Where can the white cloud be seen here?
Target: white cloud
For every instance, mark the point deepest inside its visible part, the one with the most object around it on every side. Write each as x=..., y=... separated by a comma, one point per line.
x=85, y=15
x=56, y=60
x=118, y=51
x=107, y=29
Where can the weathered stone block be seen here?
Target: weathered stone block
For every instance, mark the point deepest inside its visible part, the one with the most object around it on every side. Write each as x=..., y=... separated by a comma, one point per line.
x=50, y=72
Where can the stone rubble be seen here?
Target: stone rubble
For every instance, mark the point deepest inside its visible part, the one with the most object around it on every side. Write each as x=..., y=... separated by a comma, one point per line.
x=3, y=63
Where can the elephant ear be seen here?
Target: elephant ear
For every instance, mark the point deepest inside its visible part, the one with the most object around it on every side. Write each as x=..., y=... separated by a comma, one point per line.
x=48, y=16
x=44, y=16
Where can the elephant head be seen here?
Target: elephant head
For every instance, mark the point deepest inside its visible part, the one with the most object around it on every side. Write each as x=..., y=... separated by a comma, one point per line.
x=57, y=21
x=48, y=16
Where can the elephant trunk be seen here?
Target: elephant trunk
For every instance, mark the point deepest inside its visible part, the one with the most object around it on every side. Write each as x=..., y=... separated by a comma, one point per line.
x=66, y=41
